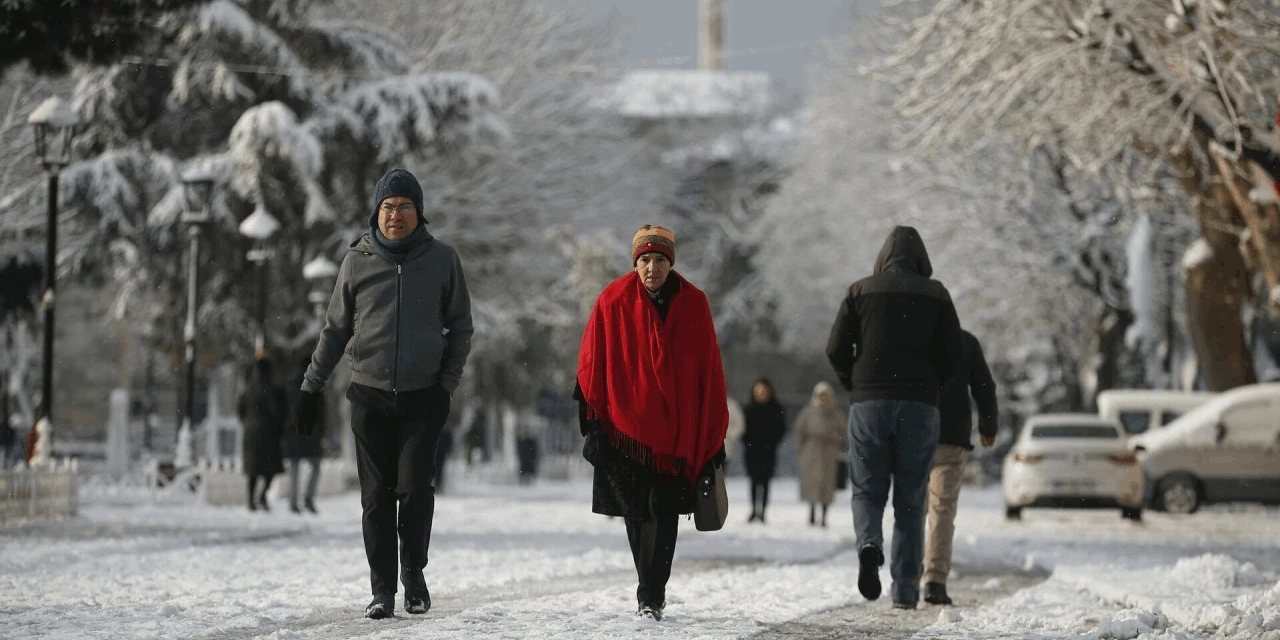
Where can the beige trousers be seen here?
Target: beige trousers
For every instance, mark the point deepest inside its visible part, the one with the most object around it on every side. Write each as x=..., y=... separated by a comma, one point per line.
x=944, y=491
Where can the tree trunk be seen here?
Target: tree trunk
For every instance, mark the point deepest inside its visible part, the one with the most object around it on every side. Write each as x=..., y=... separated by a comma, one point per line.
x=1217, y=283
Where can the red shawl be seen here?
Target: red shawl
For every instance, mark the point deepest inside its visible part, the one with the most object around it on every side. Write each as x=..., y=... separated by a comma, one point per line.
x=657, y=388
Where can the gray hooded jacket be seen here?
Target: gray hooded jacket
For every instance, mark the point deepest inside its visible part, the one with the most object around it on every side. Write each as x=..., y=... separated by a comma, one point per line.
x=404, y=326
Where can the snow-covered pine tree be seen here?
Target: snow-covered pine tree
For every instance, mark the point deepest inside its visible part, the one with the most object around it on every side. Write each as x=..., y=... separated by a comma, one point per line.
x=291, y=111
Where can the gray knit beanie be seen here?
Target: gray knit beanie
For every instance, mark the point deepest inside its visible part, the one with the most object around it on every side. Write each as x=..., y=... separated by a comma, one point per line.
x=397, y=182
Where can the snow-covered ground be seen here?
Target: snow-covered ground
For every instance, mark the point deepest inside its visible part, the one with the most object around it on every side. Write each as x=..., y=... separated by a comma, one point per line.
x=525, y=562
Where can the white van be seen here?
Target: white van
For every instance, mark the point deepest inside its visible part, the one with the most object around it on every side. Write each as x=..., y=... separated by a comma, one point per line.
x=1226, y=450
x=1142, y=411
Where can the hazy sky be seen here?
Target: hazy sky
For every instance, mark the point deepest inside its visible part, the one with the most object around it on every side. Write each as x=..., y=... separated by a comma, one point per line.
x=658, y=30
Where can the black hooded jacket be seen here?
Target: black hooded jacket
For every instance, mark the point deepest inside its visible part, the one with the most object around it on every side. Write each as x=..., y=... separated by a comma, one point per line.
x=897, y=336
x=954, y=408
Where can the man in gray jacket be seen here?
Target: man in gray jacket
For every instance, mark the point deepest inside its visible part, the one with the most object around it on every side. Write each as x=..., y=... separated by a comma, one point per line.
x=400, y=311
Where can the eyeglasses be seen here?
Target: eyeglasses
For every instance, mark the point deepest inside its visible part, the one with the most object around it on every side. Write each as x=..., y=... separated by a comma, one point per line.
x=404, y=209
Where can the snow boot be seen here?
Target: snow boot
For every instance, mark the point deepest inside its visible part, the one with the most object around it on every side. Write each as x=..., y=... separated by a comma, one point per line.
x=936, y=593
x=651, y=611
x=897, y=604
x=293, y=506
x=417, y=598
x=310, y=505
x=383, y=606
x=869, y=561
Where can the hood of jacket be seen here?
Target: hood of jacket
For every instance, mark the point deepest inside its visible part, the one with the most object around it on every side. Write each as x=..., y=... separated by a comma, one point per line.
x=903, y=250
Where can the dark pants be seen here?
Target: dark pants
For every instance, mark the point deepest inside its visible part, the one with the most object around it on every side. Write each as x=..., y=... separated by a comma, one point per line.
x=396, y=437
x=893, y=442
x=653, y=546
x=256, y=498
x=759, y=496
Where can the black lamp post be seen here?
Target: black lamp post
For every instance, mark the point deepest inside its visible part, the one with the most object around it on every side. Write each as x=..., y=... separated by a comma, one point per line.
x=197, y=186
x=259, y=227
x=53, y=124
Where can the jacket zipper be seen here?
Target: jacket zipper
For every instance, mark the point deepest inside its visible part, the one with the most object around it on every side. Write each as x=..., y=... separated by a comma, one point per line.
x=395, y=367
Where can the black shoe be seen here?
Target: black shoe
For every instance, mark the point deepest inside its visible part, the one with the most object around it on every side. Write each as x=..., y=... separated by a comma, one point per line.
x=310, y=506
x=383, y=606
x=294, y=508
x=651, y=611
x=869, y=561
x=903, y=605
x=936, y=593
x=262, y=504
x=417, y=599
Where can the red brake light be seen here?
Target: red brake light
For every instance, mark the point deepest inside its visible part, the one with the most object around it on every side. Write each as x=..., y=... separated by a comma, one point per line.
x=1124, y=458
x=1028, y=457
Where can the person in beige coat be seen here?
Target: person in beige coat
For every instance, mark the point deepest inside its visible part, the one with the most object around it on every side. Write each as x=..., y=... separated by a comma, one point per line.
x=821, y=436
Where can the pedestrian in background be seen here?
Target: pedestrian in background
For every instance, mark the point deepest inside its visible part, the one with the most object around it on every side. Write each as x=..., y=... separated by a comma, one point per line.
x=766, y=426
x=652, y=405
x=954, y=445
x=820, y=436
x=262, y=411
x=895, y=342
x=737, y=427
x=300, y=449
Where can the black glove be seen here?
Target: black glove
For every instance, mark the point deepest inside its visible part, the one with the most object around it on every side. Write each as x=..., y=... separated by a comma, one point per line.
x=592, y=447
x=846, y=382
x=306, y=411
x=718, y=458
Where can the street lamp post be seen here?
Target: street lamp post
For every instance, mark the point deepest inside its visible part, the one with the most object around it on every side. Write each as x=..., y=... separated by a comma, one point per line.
x=259, y=227
x=53, y=124
x=197, y=186
x=317, y=272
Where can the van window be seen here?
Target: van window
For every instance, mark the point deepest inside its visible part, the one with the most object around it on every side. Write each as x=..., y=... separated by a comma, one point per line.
x=1135, y=422
x=1250, y=422
x=1074, y=431
x=1169, y=416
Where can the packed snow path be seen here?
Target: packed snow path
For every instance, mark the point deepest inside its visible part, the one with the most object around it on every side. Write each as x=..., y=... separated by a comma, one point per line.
x=525, y=562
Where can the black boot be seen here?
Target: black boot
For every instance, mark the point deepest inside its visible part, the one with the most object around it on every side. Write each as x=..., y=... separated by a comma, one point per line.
x=813, y=516
x=417, y=599
x=293, y=506
x=869, y=560
x=310, y=505
x=383, y=606
x=936, y=593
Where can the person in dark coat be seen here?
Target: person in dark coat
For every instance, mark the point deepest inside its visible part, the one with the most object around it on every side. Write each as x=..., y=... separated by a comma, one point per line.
x=652, y=405
x=894, y=344
x=300, y=448
x=766, y=426
x=401, y=314
x=954, y=445
x=262, y=412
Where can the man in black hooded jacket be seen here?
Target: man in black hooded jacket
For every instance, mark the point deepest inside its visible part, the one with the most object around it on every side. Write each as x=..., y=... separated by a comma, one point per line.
x=895, y=342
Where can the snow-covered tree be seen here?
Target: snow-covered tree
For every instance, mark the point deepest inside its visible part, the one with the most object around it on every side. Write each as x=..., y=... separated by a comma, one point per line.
x=1186, y=87
x=293, y=112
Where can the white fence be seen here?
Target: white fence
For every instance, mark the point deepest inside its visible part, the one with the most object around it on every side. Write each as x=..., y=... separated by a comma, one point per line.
x=38, y=494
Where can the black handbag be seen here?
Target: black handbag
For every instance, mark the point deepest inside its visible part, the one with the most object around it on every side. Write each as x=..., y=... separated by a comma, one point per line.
x=842, y=474
x=711, y=500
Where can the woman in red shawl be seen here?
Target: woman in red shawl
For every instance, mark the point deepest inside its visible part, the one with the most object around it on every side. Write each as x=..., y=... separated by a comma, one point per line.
x=652, y=405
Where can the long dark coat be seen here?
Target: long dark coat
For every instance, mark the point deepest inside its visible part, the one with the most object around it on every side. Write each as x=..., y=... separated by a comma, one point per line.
x=262, y=412
x=766, y=425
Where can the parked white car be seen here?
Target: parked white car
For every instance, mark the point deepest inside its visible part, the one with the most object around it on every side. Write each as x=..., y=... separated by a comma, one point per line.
x=1145, y=411
x=1227, y=450
x=1072, y=461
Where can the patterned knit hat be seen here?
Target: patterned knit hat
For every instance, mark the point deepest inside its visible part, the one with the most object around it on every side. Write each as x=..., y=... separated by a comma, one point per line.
x=653, y=239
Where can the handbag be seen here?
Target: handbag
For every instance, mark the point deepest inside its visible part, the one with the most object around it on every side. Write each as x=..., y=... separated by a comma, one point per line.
x=842, y=474
x=711, y=500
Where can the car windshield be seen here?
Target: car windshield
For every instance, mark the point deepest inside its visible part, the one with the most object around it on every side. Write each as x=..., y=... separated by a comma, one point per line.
x=1074, y=431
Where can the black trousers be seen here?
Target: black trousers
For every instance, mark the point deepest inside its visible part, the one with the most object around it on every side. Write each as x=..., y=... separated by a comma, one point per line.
x=256, y=498
x=759, y=496
x=396, y=438
x=653, y=546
